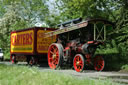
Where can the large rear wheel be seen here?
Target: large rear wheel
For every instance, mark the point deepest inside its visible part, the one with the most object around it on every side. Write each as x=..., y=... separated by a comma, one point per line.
x=79, y=63
x=55, y=54
x=99, y=63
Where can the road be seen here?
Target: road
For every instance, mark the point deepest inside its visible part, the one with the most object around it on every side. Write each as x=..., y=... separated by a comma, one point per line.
x=113, y=75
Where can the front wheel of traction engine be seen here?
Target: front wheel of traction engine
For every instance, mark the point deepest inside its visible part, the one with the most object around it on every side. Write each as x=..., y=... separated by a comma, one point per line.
x=99, y=63
x=55, y=55
x=79, y=63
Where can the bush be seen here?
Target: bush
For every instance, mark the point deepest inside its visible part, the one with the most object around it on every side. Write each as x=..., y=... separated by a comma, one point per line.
x=124, y=68
x=6, y=54
x=115, y=55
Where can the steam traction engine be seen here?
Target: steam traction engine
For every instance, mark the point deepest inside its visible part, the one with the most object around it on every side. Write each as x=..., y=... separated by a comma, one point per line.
x=76, y=43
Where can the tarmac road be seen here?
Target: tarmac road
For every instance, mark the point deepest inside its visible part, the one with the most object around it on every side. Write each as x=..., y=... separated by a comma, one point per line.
x=113, y=75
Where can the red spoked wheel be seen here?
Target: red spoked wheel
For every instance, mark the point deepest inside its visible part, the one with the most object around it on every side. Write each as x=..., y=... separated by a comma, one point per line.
x=79, y=63
x=99, y=63
x=55, y=54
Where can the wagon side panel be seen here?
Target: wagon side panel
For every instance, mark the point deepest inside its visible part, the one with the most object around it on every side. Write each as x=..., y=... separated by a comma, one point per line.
x=22, y=42
x=44, y=42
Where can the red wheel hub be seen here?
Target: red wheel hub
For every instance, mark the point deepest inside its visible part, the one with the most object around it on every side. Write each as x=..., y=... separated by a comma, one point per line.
x=78, y=63
x=99, y=63
x=53, y=56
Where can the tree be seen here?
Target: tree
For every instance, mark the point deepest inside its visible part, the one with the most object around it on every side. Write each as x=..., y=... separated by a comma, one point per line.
x=88, y=8
x=11, y=20
x=33, y=11
x=19, y=15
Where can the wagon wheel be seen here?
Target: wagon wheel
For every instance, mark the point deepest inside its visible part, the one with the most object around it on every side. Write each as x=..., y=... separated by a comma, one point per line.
x=79, y=63
x=99, y=63
x=13, y=59
x=32, y=61
x=55, y=54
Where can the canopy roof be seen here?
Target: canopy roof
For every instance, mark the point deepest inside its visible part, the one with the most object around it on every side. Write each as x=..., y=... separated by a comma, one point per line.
x=71, y=26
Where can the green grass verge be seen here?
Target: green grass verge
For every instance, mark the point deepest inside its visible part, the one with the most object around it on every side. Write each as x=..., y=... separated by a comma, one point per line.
x=21, y=75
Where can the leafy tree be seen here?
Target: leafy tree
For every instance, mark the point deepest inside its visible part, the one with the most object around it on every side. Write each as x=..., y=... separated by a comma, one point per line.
x=32, y=11
x=11, y=20
x=70, y=9
x=19, y=15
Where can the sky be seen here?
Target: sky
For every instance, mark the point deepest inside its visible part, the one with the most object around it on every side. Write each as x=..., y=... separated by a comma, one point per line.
x=50, y=3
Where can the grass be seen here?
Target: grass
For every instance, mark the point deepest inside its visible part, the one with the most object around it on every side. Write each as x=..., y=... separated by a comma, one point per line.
x=21, y=75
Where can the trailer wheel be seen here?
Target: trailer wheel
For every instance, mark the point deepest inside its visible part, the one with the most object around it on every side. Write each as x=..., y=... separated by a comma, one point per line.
x=79, y=63
x=55, y=54
x=13, y=60
x=99, y=63
x=32, y=61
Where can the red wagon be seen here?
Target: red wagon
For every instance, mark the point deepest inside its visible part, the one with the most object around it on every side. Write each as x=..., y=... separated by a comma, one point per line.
x=30, y=45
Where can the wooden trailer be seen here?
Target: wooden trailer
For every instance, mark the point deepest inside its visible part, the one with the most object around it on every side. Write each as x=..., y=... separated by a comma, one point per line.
x=30, y=45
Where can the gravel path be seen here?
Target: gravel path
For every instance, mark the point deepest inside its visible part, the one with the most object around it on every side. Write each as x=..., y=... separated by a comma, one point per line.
x=114, y=76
